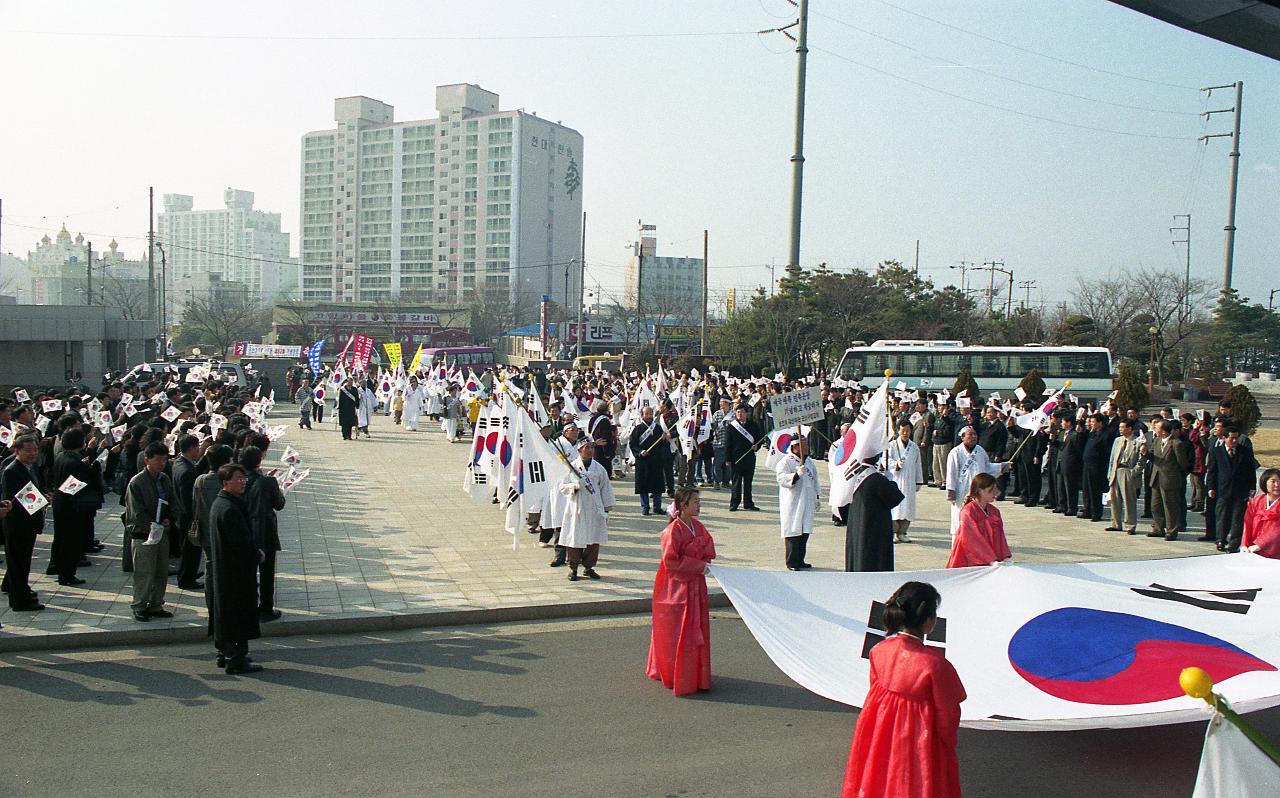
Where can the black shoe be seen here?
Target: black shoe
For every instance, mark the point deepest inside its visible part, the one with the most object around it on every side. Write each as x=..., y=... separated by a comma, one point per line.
x=1132, y=532
x=50, y=571
x=96, y=547
x=1206, y=538
x=645, y=512
x=71, y=581
x=222, y=660
x=733, y=509
x=160, y=613
x=237, y=669
x=590, y=573
x=805, y=565
x=269, y=615
x=1112, y=529
x=792, y=568
x=141, y=616
x=658, y=511
x=753, y=507
x=31, y=606
x=556, y=563
x=192, y=586
x=1155, y=534
x=573, y=576
x=1171, y=536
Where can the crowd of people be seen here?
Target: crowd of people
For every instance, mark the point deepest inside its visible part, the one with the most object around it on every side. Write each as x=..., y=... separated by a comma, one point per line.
x=184, y=456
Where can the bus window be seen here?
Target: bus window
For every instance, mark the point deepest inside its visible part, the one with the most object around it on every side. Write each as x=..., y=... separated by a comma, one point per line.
x=989, y=364
x=1085, y=364
x=852, y=367
x=947, y=365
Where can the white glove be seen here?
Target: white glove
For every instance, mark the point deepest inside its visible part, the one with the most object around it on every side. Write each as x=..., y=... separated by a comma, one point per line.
x=1000, y=562
x=1252, y=549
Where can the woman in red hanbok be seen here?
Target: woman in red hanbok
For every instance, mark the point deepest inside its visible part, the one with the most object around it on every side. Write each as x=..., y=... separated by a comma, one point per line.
x=904, y=745
x=1262, y=517
x=680, y=643
x=980, y=537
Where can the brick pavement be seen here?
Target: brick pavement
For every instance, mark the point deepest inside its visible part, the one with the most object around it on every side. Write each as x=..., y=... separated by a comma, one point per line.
x=382, y=528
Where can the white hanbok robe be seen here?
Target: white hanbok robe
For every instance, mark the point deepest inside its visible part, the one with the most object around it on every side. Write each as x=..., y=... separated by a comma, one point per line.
x=585, y=519
x=412, y=408
x=434, y=401
x=902, y=465
x=452, y=416
x=798, y=490
x=553, y=506
x=962, y=467
x=364, y=408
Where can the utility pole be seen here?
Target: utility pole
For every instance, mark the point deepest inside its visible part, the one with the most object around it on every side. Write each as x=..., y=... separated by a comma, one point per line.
x=164, y=321
x=1027, y=284
x=964, y=267
x=1186, y=280
x=88, y=273
x=797, y=158
x=151, y=254
x=582, y=279
x=702, y=349
x=993, y=266
x=1229, y=245
x=917, y=269
x=1271, y=297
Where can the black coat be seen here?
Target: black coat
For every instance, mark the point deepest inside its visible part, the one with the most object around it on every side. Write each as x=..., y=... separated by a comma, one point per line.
x=736, y=445
x=348, y=400
x=13, y=479
x=649, y=471
x=233, y=559
x=263, y=499
x=183, y=473
x=70, y=464
x=868, y=542
x=1232, y=477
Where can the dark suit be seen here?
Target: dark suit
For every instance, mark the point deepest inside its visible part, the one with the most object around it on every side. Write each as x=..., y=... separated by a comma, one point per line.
x=73, y=515
x=20, y=530
x=1170, y=464
x=1070, y=469
x=1231, y=477
x=264, y=498
x=737, y=446
x=184, y=473
x=1097, y=454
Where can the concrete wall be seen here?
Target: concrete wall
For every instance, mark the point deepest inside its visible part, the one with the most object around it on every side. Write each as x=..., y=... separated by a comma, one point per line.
x=41, y=345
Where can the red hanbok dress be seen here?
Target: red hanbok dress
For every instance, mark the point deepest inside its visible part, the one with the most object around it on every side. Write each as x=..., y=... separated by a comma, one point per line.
x=680, y=643
x=904, y=745
x=1262, y=526
x=979, y=538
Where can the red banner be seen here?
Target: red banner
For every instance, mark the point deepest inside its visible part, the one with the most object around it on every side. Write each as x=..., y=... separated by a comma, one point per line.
x=361, y=351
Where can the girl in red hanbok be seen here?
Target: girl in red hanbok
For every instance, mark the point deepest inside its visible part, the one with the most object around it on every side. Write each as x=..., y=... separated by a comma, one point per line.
x=1262, y=517
x=980, y=537
x=904, y=745
x=680, y=644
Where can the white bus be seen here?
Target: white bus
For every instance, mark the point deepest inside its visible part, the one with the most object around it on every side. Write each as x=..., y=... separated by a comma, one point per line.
x=934, y=365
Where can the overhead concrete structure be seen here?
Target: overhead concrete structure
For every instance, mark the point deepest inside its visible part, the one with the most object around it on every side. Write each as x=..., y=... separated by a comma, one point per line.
x=1248, y=24
x=43, y=346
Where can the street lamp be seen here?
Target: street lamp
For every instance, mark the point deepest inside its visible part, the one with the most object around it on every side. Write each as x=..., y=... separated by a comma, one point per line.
x=1151, y=372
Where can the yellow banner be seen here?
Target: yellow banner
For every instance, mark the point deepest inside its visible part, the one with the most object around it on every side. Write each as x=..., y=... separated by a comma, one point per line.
x=393, y=354
x=417, y=359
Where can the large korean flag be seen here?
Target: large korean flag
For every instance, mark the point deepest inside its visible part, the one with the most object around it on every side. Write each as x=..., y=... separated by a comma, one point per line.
x=1040, y=647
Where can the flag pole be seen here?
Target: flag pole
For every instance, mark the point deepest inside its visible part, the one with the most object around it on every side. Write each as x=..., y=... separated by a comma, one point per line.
x=1030, y=434
x=1198, y=684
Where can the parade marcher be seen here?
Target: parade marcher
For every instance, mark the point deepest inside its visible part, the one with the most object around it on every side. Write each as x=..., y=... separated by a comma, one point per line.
x=235, y=555
x=604, y=435
x=868, y=537
x=552, y=514
x=719, y=428
x=586, y=515
x=1262, y=517
x=364, y=405
x=306, y=402
x=183, y=470
x=798, y=491
x=964, y=462
x=348, y=403
x=741, y=444
x=903, y=462
x=922, y=436
x=944, y=436
x=904, y=743
x=980, y=539
x=149, y=508
x=205, y=490
x=680, y=638
x=412, y=405
x=648, y=440
x=1229, y=478
x=1123, y=476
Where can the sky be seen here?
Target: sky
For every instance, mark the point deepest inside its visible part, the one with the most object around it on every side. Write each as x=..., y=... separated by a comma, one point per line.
x=1059, y=138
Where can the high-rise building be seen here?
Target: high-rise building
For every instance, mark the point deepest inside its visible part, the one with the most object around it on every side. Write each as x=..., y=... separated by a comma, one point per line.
x=235, y=244
x=662, y=287
x=439, y=211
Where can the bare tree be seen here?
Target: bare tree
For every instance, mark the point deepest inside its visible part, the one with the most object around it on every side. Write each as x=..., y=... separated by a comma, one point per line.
x=1111, y=302
x=221, y=319
x=1178, y=312
x=128, y=295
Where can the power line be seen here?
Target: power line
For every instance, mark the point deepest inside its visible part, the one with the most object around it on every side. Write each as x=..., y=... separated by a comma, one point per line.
x=998, y=76
x=1029, y=51
x=986, y=104
x=328, y=37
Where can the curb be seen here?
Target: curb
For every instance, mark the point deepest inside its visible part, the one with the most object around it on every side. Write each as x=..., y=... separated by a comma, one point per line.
x=372, y=622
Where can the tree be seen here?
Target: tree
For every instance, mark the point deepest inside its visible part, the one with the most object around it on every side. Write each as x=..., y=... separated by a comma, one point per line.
x=128, y=295
x=494, y=311
x=1032, y=385
x=221, y=319
x=965, y=385
x=1244, y=408
x=1243, y=336
x=1130, y=392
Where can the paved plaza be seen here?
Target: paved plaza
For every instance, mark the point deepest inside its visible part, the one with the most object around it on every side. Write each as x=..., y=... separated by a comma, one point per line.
x=381, y=535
